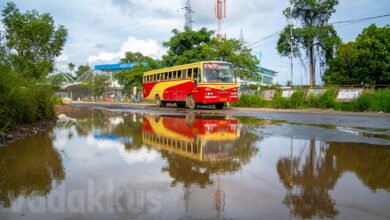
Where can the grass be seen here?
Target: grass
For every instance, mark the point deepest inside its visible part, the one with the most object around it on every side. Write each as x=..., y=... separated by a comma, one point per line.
x=22, y=100
x=371, y=100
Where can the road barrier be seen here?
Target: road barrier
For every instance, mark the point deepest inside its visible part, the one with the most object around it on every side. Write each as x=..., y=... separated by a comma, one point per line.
x=343, y=94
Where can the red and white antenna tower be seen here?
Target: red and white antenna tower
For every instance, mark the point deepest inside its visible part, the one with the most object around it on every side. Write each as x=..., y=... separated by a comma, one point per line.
x=220, y=13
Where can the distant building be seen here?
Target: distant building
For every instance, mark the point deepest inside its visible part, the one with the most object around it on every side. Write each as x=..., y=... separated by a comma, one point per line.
x=263, y=77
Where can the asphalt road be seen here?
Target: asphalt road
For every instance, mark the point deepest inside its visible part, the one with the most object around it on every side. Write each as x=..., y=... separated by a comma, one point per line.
x=379, y=121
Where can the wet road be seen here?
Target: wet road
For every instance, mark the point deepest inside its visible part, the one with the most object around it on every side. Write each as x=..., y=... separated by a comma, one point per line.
x=142, y=163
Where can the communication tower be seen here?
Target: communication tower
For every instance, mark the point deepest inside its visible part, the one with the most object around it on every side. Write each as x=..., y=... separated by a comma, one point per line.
x=220, y=13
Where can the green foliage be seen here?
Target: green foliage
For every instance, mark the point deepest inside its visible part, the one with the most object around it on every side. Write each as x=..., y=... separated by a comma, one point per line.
x=185, y=47
x=71, y=66
x=249, y=101
x=3, y=50
x=364, y=61
x=82, y=69
x=33, y=40
x=194, y=46
x=133, y=77
x=135, y=57
x=98, y=84
x=244, y=62
x=372, y=100
x=315, y=39
x=23, y=100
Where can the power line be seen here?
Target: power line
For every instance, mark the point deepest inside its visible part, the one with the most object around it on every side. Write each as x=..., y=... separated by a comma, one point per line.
x=346, y=22
x=360, y=19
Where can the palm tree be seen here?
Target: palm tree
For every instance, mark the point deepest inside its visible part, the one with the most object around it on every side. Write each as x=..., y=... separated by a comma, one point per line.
x=71, y=67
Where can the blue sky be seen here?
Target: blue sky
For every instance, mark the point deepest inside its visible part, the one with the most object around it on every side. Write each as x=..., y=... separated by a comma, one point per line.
x=100, y=31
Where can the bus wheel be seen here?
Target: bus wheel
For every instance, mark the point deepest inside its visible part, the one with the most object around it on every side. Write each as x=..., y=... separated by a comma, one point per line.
x=160, y=103
x=190, y=118
x=181, y=104
x=190, y=102
x=219, y=105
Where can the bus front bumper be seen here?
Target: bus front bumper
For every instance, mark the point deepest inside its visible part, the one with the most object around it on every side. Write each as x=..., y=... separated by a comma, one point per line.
x=218, y=99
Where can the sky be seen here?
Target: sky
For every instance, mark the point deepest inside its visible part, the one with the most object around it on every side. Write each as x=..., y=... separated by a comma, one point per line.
x=101, y=31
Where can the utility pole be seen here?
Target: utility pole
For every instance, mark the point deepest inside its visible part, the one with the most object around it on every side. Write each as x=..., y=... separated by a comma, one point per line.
x=291, y=46
x=188, y=16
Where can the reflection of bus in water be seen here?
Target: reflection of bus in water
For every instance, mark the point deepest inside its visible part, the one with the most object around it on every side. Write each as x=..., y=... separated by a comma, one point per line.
x=208, y=139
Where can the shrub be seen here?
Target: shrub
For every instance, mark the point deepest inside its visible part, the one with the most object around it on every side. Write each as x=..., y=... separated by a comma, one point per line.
x=327, y=100
x=373, y=100
x=249, y=101
x=22, y=100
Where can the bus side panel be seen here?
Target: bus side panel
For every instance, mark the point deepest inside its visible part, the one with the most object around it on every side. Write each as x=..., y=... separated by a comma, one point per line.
x=147, y=88
x=178, y=92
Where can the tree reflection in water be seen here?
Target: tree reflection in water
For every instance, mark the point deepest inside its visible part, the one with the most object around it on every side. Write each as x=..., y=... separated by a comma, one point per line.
x=28, y=167
x=310, y=175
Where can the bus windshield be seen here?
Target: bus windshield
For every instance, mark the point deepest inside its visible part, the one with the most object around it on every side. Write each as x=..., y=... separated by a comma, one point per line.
x=218, y=72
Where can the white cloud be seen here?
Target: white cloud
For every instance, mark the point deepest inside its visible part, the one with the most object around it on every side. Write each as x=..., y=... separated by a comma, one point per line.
x=98, y=28
x=63, y=57
x=147, y=47
x=130, y=157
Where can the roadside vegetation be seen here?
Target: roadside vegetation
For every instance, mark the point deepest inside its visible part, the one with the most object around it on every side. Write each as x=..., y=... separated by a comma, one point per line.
x=371, y=100
x=29, y=45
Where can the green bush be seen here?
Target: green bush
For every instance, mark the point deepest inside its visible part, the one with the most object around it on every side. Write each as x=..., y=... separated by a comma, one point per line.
x=296, y=99
x=279, y=102
x=371, y=100
x=22, y=100
x=249, y=101
x=327, y=100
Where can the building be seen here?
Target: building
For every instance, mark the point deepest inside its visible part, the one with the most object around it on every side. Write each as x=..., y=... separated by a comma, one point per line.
x=263, y=77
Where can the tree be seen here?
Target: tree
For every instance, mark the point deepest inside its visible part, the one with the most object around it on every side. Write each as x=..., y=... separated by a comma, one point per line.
x=33, y=41
x=315, y=39
x=133, y=77
x=364, y=61
x=135, y=57
x=185, y=47
x=71, y=66
x=82, y=69
x=194, y=46
x=98, y=84
x=3, y=50
x=244, y=62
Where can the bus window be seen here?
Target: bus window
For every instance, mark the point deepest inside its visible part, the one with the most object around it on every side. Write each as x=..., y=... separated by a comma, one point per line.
x=154, y=78
x=183, y=74
x=189, y=75
x=174, y=75
x=165, y=76
x=196, y=71
x=179, y=74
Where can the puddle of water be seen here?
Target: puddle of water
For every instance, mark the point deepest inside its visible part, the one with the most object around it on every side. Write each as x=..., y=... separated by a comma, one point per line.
x=110, y=165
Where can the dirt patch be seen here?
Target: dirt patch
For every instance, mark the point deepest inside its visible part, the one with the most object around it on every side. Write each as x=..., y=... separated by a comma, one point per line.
x=22, y=131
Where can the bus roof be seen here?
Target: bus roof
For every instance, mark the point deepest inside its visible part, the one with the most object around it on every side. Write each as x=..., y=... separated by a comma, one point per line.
x=189, y=65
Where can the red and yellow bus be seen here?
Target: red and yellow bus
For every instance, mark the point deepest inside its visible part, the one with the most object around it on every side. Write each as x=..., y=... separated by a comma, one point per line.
x=202, y=83
x=211, y=139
